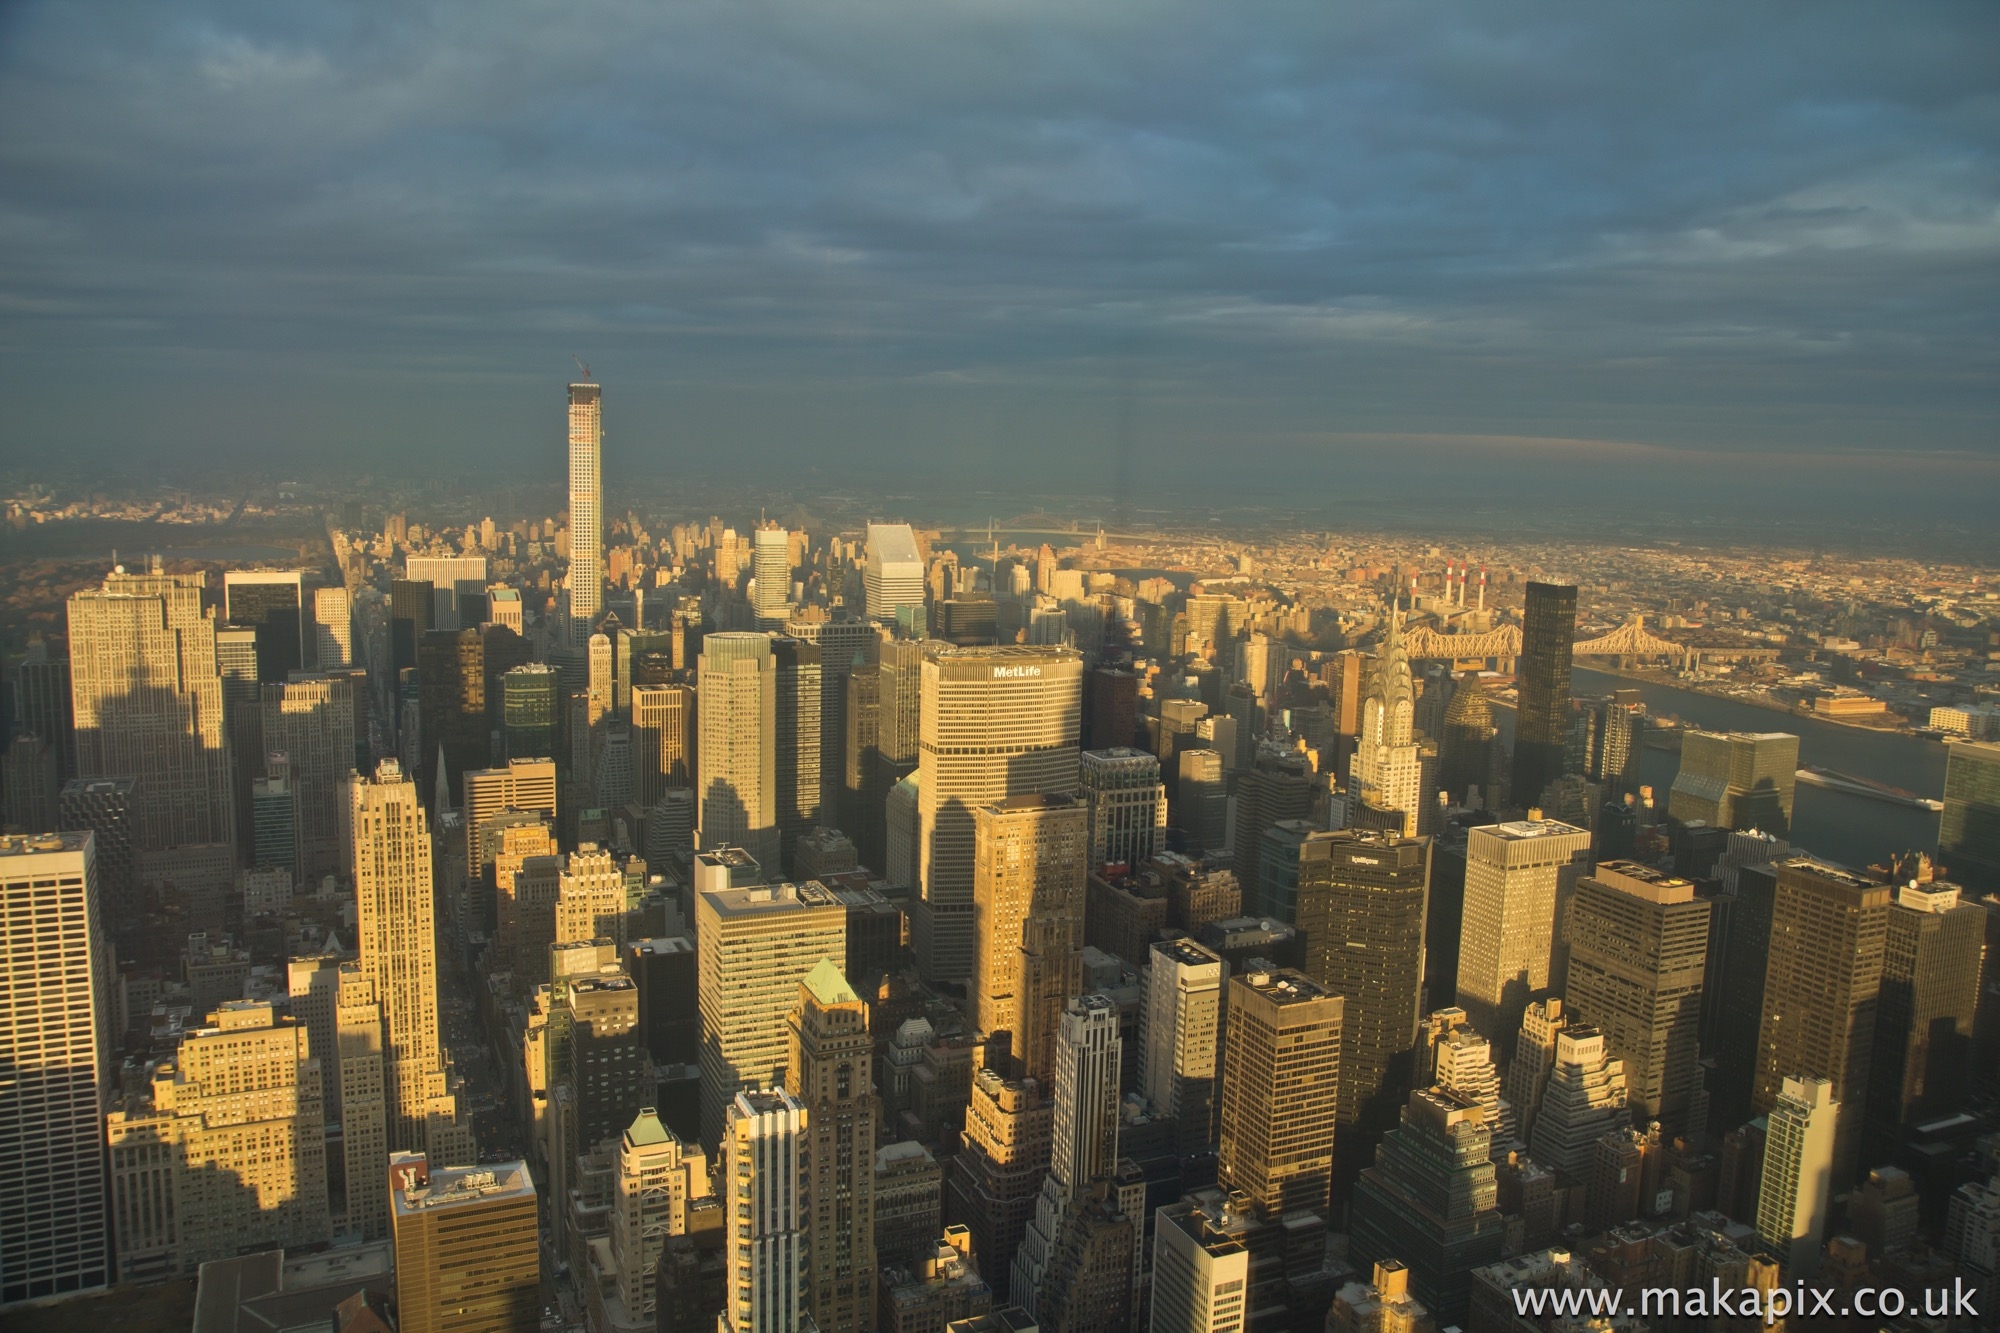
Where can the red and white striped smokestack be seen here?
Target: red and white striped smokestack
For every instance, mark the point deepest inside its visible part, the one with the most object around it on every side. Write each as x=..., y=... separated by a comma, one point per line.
x=1482, y=587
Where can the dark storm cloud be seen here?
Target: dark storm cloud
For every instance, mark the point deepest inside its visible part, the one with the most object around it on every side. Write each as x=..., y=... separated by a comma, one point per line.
x=1284, y=230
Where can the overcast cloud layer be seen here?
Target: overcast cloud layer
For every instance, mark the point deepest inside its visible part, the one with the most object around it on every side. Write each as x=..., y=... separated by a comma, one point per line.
x=979, y=238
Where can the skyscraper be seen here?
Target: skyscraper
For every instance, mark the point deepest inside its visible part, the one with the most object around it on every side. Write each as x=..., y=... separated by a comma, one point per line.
x=527, y=785
x=1548, y=631
x=1384, y=772
x=799, y=712
x=1924, y=1023
x=147, y=701
x=311, y=722
x=1517, y=877
x=830, y=1075
x=1584, y=1098
x=1201, y=1273
x=1799, y=1178
x=104, y=807
x=1361, y=913
x=771, y=567
x=586, y=509
x=1028, y=887
x=466, y=1251
x=753, y=946
x=1736, y=780
x=1049, y=1278
x=738, y=752
x=893, y=576
x=397, y=940
x=1128, y=806
x=1431, y=1201
x=333, y=629
x=766, y=1218
x=530, y=711
x=1969, y=829
x=996, y=722
x=55, y=1030
x=1638, y=949
x=1465, y=752
x=1182, y=1021
x=663, y=740
x=1822, y=985
x=272, y=602
x=1280, y=1091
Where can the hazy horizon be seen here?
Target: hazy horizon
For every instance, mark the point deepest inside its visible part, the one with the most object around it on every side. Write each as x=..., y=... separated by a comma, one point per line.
x=1691, y=258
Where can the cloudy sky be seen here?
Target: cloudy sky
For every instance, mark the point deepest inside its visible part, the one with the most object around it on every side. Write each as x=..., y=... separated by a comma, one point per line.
x=1292, y=246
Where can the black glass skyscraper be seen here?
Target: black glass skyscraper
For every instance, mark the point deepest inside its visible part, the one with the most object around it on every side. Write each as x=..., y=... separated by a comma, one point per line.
x=1548, y=633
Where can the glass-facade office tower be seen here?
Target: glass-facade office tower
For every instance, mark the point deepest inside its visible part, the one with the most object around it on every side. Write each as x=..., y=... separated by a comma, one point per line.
x=995, y=722
x=530, y=711
x=1128, y=806
x=55, y=1022
x=148, y=704
x=1822, y=985
x=1548, y=633
x=586, y=509
x=272, y=602
x=1736, y=780
x=1924, y=1050
x=1361, y=911
x=1969, y=830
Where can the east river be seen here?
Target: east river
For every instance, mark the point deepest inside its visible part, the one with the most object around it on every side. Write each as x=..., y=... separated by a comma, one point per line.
x=1853, y=830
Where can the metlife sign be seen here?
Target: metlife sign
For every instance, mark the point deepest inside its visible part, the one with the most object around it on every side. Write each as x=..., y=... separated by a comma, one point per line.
x=1015, y=672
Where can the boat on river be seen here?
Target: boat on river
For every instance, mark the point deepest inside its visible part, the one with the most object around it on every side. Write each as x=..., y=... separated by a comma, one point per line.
x=1814, y=775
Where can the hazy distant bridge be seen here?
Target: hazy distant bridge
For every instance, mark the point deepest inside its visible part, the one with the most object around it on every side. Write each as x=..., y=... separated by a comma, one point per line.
x=1629, y=640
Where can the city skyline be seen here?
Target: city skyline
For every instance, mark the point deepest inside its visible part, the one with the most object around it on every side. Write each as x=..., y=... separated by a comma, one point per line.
x=1291, y=670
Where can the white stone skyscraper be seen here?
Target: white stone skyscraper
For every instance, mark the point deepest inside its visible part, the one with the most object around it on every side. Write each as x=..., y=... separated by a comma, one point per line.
x=55, y=1028
x=894, y=574
x=771, y=566
x=1797, y=1184
x=1385, y=771
x=395, y=931
x=586, y=507
x=765, y=1215
x=1179, y=1056
x=148, y=704
x=1085, y=1145
x=737, y=756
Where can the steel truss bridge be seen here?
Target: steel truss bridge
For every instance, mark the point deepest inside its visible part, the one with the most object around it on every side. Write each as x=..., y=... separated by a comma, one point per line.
x=1628, y=640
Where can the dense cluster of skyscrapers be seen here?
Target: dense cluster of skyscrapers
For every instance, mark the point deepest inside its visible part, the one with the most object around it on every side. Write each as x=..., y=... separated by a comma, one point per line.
x=844, y=934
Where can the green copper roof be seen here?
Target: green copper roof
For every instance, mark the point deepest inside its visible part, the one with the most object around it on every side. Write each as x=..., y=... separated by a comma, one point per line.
x=828, y=986
x=646, y=1129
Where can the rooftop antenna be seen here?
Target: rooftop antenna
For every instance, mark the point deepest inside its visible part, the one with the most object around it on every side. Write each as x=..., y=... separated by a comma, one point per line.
x=581, y=366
